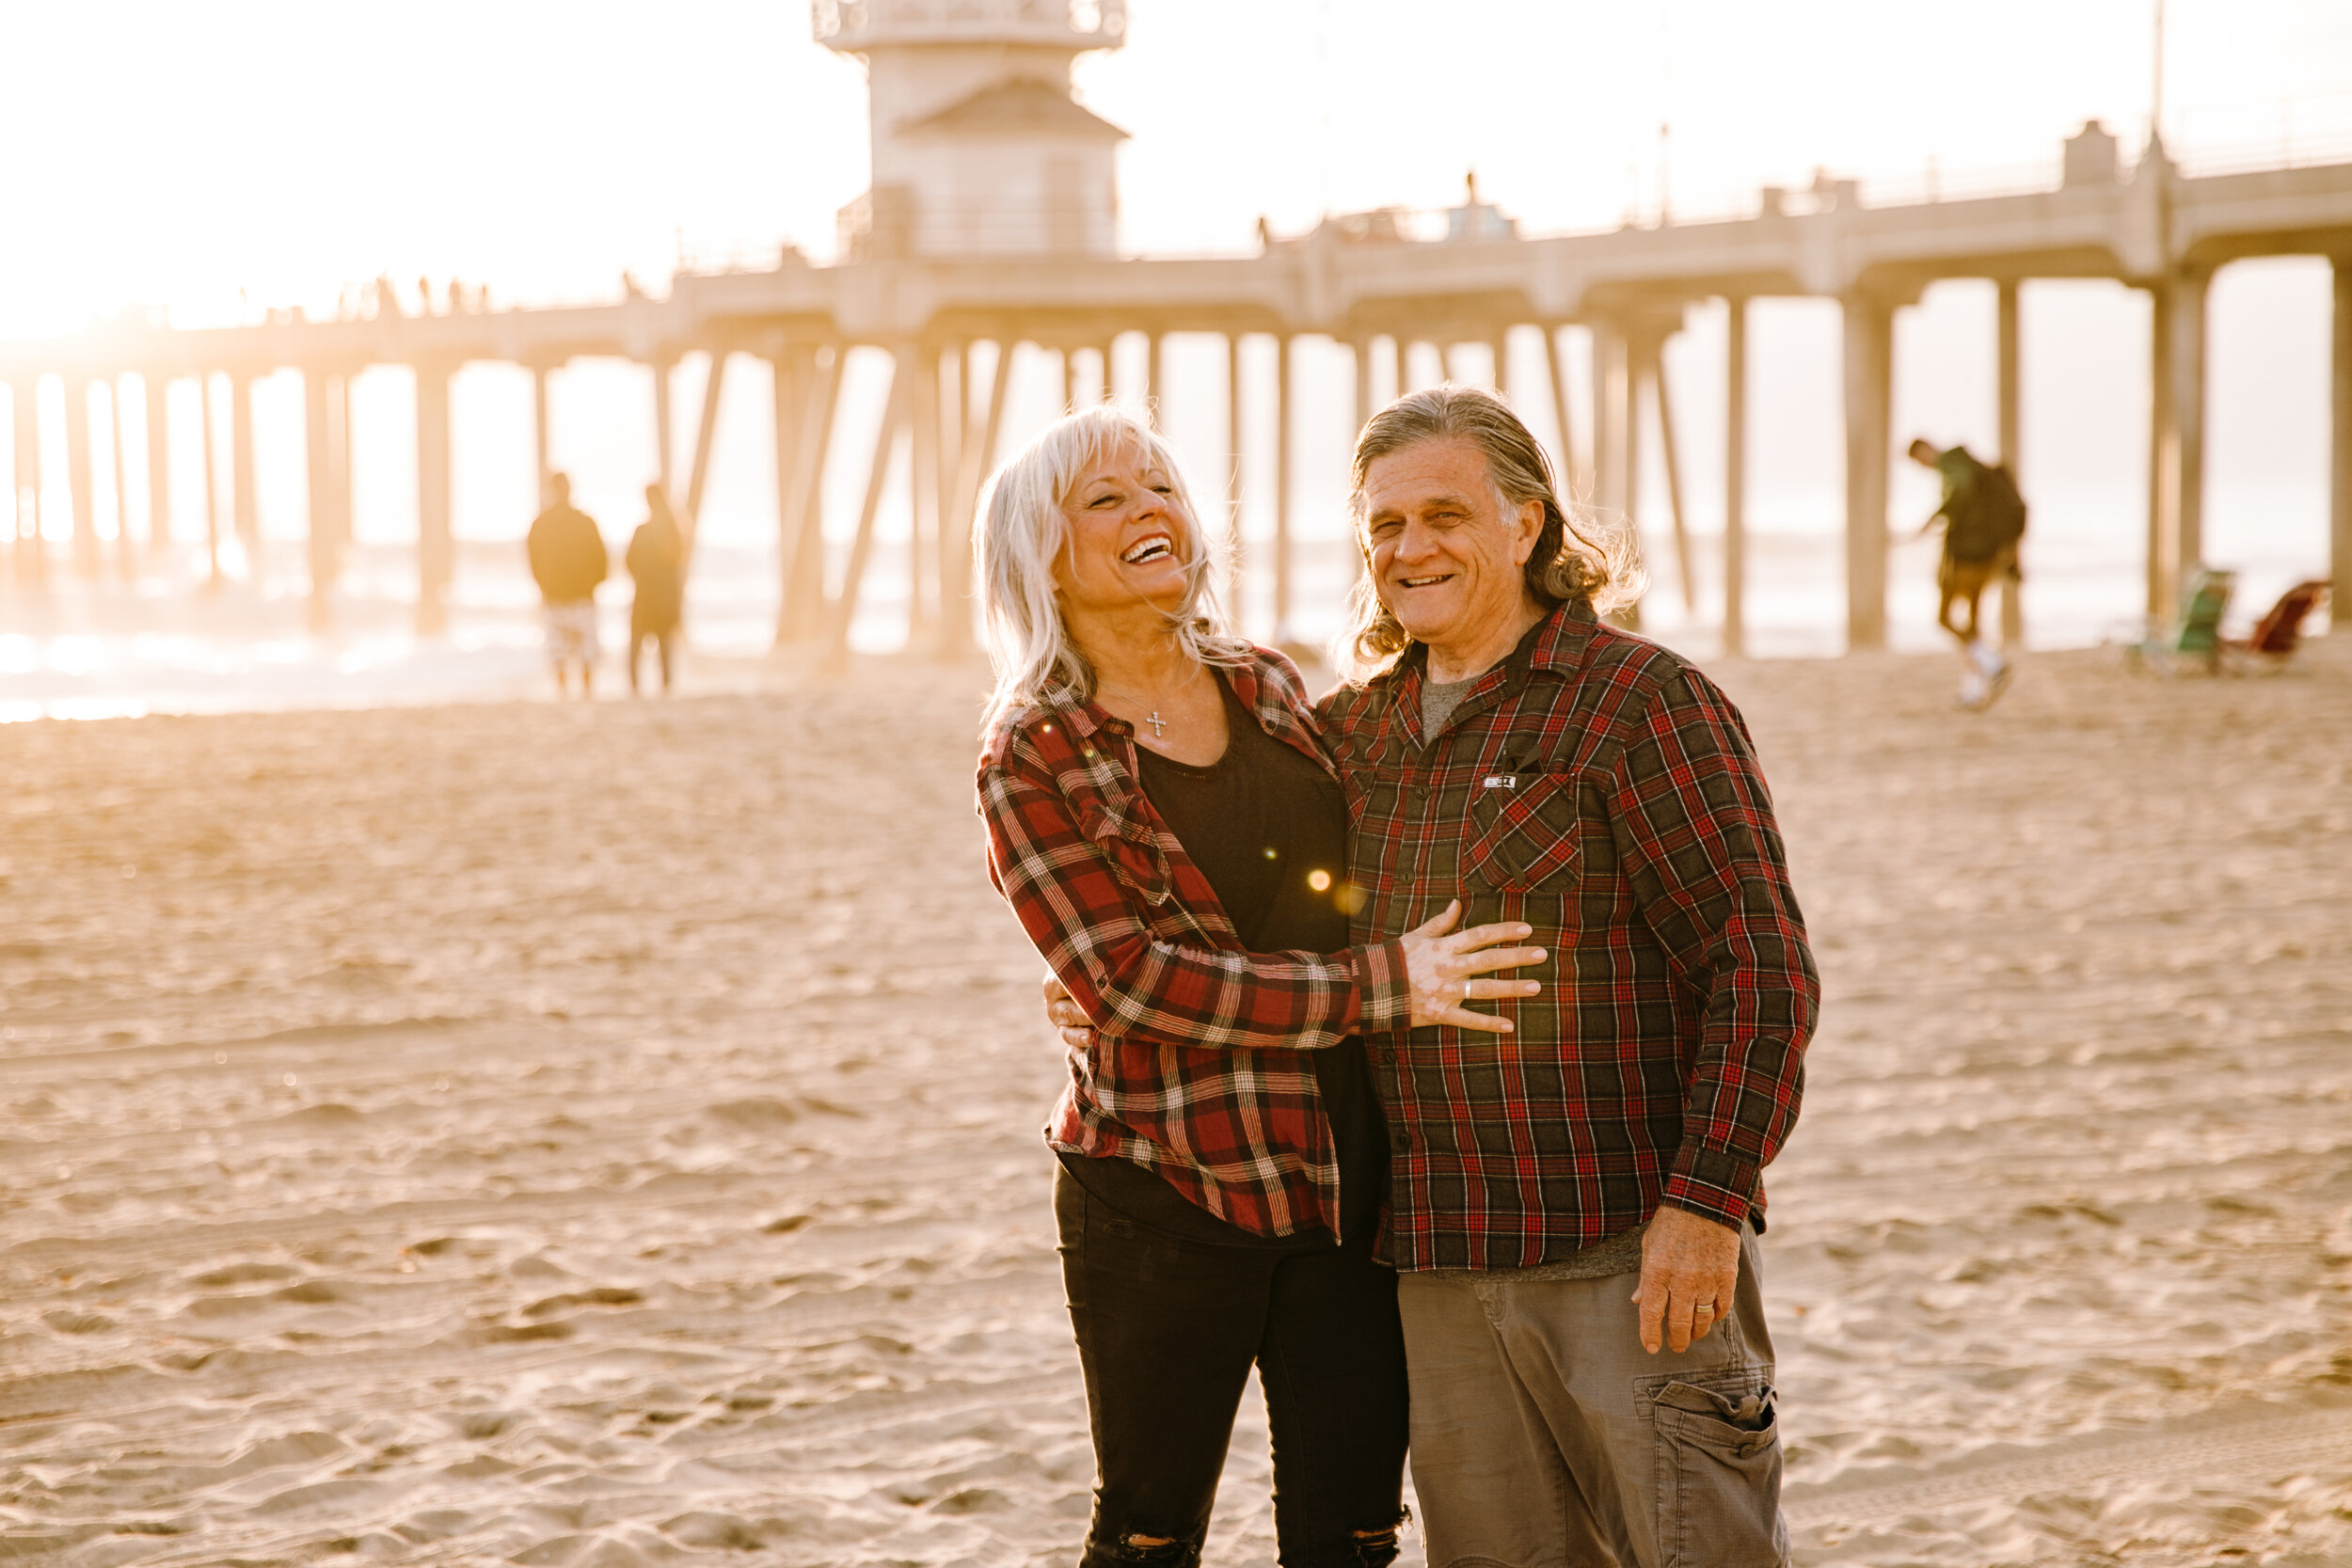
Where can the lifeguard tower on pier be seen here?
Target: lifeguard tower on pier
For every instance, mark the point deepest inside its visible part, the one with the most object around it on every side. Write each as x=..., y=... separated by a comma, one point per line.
x=980, y=148
x=991, y=223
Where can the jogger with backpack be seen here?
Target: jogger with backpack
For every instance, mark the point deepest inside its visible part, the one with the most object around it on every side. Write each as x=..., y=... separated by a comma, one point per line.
x=1983, y=518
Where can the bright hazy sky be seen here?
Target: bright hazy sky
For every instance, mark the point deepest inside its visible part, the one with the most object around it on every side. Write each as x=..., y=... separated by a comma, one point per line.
x=179, y=152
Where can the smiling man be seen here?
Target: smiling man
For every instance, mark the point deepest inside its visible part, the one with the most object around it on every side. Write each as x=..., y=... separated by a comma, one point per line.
x=1574, y=1203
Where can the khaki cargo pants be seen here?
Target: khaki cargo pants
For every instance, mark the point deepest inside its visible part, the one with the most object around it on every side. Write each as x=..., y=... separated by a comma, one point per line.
x=1544, y=1435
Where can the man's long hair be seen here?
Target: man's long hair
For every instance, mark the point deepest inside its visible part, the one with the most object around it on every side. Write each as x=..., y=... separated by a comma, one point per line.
x=1578, y=555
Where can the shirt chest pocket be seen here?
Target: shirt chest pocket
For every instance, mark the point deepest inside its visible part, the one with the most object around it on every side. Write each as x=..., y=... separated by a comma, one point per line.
x=1523, y=835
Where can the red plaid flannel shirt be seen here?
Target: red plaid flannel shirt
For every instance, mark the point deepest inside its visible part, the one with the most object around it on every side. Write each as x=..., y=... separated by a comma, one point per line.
x=1596, y=786
x=1199, y=1068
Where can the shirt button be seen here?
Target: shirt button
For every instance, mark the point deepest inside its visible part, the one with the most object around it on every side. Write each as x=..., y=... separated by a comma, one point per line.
x=1400, y=1143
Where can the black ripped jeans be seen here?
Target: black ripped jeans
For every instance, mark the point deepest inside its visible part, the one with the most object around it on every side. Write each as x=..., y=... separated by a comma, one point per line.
x=1168, y=1330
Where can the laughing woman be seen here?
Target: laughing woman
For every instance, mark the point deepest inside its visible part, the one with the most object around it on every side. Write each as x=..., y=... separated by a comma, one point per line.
x=1168, y=830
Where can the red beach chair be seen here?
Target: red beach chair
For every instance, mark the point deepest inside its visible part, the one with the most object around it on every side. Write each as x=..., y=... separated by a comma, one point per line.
x=2278, y=634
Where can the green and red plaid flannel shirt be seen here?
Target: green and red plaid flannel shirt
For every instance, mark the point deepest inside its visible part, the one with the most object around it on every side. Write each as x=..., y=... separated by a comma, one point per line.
x=1596, y=786
x=1199, y=1070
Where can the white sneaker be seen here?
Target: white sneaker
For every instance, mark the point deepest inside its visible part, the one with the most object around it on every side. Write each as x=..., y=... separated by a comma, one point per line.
x=1974, y=691
x=1983, y=674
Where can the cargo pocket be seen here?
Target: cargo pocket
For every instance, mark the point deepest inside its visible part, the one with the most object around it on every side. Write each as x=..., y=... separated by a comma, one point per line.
x=1719, y=1472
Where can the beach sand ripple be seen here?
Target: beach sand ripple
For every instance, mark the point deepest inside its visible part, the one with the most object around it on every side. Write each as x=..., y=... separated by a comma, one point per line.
x=609, y=1136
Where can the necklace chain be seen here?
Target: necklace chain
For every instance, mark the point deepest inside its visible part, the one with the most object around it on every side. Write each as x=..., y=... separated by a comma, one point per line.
x=1159, y=725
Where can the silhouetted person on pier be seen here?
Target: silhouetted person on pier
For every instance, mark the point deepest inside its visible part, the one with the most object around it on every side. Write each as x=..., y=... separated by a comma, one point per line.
x=657, y=564
x=567, y=560
x=1983, y=518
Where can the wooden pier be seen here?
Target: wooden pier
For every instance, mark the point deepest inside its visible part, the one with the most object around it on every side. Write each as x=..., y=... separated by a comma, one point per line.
x=946, y=253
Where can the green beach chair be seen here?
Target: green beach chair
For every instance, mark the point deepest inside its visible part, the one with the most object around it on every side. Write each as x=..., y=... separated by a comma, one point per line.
x=2195, y=638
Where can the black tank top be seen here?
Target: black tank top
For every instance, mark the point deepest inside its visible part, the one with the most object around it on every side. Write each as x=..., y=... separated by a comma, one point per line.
x=1268, y=828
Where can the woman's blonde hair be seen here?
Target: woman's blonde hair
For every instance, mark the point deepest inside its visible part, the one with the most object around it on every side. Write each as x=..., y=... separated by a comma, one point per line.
x=1022, y=533
x=1578, y=554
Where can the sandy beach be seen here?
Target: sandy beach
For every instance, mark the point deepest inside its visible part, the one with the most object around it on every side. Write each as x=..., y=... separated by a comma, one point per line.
x=602, y=1136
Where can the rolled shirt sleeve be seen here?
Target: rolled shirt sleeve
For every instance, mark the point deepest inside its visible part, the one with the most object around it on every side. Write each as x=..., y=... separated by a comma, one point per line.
x=1093, y=929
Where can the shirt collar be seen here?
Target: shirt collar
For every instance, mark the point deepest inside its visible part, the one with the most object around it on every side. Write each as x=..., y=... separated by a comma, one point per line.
x=1555, y=643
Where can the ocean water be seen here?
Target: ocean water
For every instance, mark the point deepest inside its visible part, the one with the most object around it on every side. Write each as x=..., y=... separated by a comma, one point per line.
x=165, y=642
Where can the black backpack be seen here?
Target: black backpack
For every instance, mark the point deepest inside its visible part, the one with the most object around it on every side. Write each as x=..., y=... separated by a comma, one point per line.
x=1991, y=521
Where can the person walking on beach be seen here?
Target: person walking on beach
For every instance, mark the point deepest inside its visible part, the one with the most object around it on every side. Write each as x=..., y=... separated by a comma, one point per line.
x=1168, y=831
x=657, y=568
x=1573, y=1217
x=567, y=560
x=1983, y=518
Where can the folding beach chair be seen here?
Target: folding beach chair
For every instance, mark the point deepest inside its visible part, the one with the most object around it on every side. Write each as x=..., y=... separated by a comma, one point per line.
x=2195, y=638
x=2278, y=634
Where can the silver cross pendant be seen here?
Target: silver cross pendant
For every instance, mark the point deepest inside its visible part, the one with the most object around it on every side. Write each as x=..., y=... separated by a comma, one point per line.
x=1159, y=725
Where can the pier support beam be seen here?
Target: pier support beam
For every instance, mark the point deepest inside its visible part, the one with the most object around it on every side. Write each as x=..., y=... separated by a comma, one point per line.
x=1232, y=476
x=924, y=522
x=2339, y=450
x=793, y=369
x=954, y=367
x=1572, y=483
x=212, y=482
x=539, y=440
x=248, y=512
x=434, y=544
x=706, y=434
x=1611, y=411
x=2176, y=438
x=32, y=560
x=347, y=442
x=1869, y=375
x=78, y=474
x=2004, y=380
x=1282, y=348
x=1736, y=483
x=156, y=403
x=1670, y=458
x=1361, y=349
x=126, y=558
x=976, y=455
x=801, y=547
x=903, y=377
x=1615, y=474
x=662, y=470
x=319, y=470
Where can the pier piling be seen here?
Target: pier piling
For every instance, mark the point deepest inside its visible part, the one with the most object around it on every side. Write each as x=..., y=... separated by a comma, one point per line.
x=1736, y=480
x=1869, y=375
x=2340, y=447
x=77, y=459
x=2007, y=419
x=248, y=513
x=156, y=409
x=32, y=561
x=434, y=544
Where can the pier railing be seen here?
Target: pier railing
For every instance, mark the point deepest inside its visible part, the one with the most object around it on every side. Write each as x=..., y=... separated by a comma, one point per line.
x=859, y=24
